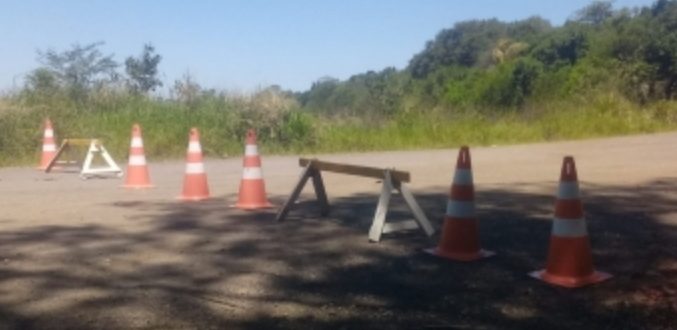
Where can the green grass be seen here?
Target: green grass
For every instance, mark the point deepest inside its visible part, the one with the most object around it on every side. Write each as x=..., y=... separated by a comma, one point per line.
x=439, y=131
x=222, y=125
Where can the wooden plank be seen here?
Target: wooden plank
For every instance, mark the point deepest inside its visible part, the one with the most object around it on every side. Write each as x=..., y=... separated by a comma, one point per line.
x=400, y=226
x=419, y=216
x=381, y=210
x=305, y=175
x=320, y=192
x=82, y=142
x=373, y=172
x=50, y=165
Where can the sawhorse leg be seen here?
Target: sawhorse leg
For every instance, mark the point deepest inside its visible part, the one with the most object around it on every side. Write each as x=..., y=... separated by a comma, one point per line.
x=379, y=225
x=381, y=209
x=308, y=173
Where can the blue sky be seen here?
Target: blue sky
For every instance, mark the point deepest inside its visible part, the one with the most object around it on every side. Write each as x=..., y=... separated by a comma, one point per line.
x=244, y=44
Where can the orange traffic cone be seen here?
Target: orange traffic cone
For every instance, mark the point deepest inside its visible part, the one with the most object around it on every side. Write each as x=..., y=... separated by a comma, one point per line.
x=48, y=145
x=460, y=238
x=137, y=169
x=252, y=188
x=195, y=186
x=569, y=258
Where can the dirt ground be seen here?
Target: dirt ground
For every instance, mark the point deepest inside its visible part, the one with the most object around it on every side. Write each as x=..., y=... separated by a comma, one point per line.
x=88, y=254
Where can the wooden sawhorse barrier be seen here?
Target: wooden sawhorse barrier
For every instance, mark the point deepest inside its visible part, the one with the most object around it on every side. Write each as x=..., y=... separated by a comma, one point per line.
x=392, y=180
x=87, y=170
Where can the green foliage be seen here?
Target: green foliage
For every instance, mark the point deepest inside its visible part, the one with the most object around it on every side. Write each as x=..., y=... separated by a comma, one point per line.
x=461, y=45
x=368, y=94
x=143, y=71
x=595, y=13
x=490, y=65
x=321, y=92
x=564, y=47
x=506, y=50
x=186, y=90
x=609, y=115
x=284, y=128
x=297, y=130
x=529, y=30
x=508, y=85
x=471, y=43
x=646, y=46
x=222, y=120
x=522, y=80
x=82, y=71
x=78, y=69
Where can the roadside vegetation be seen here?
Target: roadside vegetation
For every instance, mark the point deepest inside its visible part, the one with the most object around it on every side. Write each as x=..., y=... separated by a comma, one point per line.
x=606, y=71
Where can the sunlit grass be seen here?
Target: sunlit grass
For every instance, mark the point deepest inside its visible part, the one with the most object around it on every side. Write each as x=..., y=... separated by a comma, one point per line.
x=166, y=125
x=437, y=131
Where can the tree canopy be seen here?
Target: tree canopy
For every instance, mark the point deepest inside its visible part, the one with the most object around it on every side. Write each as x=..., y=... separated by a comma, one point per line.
x=630, y=52
x=77, y=69
x=143, y=71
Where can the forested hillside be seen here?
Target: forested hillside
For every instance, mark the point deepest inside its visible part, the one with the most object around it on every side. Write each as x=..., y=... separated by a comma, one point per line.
x=606, y=71
x=502, y=66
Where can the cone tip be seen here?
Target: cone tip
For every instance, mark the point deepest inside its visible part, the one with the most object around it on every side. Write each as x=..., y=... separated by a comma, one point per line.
x=251, y=136
x=136, y=130
x=463, y=158
x=194, y=135
x=569, y=169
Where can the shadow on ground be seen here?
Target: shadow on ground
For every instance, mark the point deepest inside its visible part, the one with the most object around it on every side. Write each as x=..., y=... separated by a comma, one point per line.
x=175, y=265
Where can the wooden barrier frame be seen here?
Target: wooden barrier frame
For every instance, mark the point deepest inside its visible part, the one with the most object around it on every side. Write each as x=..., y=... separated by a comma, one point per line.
x=95, y=147
x=392, y=180
x=65, y=146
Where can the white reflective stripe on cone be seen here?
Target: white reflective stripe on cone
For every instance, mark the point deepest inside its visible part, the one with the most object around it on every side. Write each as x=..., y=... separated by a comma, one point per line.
x=461, y=209
x=568, y=190
x=569, y=227
x=195, y=168
x=252, y=173
x=49, y=133
x=137, y=142
x=251, y=150
x=48, y=147
x=194, y=146
x=463, y=176
x=137, y=160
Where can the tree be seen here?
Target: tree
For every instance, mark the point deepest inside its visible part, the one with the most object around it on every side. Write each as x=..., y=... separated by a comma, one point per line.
x=142, y=71
x=470, y=44
x=80, y=68
x=661, y=49
x=41, y=80
x=320, y=92
x=186, y=90
x=461, y=45
x=40, y=85
x=647, y=47
x=529, y=30
x=523, y=79
x=661, y=6
x=565, y=47
x=595, y=13
x=507, y=49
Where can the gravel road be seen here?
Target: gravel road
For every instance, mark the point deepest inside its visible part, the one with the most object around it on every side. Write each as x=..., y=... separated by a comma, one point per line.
x=87, y=254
